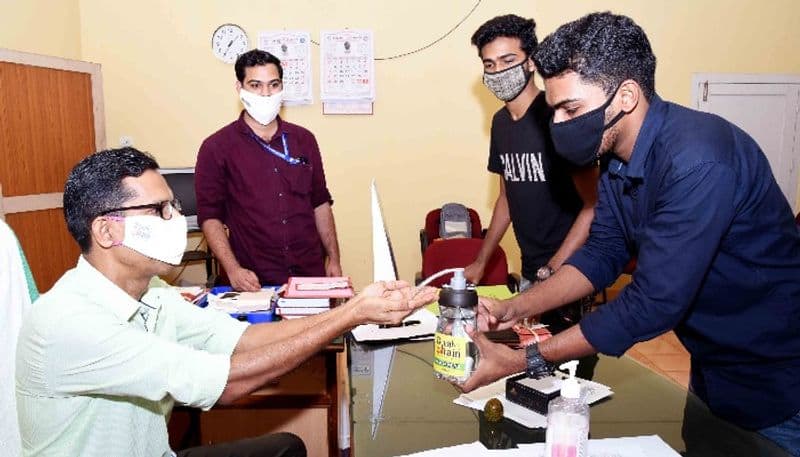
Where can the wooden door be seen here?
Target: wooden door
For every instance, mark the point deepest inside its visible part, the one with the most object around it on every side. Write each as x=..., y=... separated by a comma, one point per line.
x=51, y=116
x=765, y=106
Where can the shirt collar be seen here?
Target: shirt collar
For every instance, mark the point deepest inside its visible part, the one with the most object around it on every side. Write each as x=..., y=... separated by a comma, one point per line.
x=105, y=293
x=245, y=129
x=644, y=142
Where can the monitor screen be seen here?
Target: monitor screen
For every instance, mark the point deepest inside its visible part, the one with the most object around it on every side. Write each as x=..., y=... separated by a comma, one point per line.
x=384, y=267
x=181, y=181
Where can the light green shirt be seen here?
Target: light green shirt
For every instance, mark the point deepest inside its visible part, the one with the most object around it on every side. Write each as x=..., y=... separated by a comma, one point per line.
x=97, y=372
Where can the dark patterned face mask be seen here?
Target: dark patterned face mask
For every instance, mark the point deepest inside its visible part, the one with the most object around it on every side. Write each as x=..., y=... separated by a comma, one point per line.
x=509, y=83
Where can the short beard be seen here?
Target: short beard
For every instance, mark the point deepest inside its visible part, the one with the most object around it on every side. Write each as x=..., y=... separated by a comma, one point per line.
x=609, y=140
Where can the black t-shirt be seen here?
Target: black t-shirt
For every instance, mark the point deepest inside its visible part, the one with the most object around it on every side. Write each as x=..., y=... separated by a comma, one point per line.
x=542, y=199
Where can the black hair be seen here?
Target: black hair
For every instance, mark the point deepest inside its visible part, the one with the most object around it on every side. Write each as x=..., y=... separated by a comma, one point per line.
x=95, y=185
x=603, y=49
x=510, y=26
x=254, y=58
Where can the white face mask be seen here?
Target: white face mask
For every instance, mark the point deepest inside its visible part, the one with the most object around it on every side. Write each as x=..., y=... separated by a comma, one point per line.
x=263, y=109
x=154, y=237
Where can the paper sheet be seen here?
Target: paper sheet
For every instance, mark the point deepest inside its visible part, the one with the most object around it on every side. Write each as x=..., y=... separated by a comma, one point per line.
x=477, y=400
x=636, y=446
x=421, y=331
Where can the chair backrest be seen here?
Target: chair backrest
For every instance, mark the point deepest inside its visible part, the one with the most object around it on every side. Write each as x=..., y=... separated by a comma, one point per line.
x=432, y=223
x=460, y=252
x=16, y=293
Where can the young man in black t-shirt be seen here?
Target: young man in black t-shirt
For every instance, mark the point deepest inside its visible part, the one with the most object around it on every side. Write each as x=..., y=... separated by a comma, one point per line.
x=549, y=202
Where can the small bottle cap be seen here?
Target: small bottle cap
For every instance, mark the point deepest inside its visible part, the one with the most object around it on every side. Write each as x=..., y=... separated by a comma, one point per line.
x=570, y=387
x=458, y=282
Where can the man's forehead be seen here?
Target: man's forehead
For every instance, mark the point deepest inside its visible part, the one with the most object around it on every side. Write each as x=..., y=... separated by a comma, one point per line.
x=266, y=72
x=500, y=46
x=568, y=86
x=149, y=187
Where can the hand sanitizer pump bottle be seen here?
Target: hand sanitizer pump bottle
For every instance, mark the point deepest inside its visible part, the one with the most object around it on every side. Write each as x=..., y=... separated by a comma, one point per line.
x=455, y=355
x=568, y=419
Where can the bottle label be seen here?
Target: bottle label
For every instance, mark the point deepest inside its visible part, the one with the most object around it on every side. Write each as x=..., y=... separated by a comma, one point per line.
x=450, y=355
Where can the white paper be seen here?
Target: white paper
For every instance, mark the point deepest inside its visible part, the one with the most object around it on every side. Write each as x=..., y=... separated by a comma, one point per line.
x=347, y=65
x=241, y=302
x=635, y=446
x=422, y=331
x=477, y=400
x=293, y=48
x=469, y=449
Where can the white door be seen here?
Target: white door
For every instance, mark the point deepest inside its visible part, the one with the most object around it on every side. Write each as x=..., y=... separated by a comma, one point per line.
x=767, y=108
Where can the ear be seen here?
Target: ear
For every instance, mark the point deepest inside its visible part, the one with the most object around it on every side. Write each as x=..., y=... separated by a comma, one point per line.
x=531, y=64
x=238, y=87
x=104, y=232
x=629, y=95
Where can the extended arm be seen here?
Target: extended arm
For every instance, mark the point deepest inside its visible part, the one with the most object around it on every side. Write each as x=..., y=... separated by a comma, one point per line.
x=258, y=359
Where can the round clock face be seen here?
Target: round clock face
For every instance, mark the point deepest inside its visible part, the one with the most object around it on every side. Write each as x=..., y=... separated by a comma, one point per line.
x=228, y=42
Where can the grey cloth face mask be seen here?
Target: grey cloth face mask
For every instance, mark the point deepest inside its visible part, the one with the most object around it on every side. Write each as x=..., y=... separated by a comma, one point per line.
x=509, y=83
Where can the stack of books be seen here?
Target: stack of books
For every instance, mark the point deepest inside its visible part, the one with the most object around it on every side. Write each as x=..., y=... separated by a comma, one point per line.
x=291, y=308
x=306, y=296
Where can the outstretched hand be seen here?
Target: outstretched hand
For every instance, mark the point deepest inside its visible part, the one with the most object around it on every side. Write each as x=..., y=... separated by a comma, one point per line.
x=388, y=302
x=495, y=361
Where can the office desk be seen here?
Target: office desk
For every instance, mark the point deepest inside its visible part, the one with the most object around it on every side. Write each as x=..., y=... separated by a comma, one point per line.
x=418, y=412
x=304, y=402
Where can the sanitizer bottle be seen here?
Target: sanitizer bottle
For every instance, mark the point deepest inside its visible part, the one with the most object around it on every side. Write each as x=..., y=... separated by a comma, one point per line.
x=455, y=355
x=568, y=419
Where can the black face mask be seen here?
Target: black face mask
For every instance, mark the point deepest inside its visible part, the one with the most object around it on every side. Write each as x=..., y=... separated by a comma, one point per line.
x=578, y=140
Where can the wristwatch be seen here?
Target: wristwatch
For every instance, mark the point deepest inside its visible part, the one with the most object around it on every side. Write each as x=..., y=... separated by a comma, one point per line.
x=537, y=366
x=544, y=272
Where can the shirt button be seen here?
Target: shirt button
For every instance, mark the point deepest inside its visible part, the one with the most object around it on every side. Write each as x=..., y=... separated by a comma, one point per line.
x=634, y=191
x=280, y=194
x=275, y=169
x=283, y=222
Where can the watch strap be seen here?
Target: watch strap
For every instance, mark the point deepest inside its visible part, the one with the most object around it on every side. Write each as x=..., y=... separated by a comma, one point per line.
x=537, y=366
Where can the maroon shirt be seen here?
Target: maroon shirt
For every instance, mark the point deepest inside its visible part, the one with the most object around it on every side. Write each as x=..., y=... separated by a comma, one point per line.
x=267, y=203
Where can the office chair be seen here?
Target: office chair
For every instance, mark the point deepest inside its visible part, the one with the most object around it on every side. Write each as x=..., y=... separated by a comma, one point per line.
x=460, y=252
x=181, y=181
x=17, y=291
x=430, y=231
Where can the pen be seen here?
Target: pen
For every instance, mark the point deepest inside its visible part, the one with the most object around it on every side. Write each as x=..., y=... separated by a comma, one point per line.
x=401, y=324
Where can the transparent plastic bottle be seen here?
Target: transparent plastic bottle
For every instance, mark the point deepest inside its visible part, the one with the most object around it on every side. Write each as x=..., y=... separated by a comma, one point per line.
x=455, y=356
x=568, y=419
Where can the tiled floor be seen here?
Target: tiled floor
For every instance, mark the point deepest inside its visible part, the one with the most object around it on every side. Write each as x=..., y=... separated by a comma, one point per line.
x=664, y=354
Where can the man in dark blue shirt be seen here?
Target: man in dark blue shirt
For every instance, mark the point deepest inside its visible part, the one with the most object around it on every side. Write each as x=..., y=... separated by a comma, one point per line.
x=693, y=197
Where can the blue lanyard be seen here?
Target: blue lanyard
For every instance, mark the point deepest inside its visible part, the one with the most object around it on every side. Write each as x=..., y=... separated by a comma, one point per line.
x=283, y=155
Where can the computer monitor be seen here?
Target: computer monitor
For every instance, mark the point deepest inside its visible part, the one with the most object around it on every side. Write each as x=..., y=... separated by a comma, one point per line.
x=384, y=266
x=181, y=181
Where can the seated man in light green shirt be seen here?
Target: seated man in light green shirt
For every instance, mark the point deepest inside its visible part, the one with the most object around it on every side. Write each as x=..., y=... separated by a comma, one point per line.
x=101, y=359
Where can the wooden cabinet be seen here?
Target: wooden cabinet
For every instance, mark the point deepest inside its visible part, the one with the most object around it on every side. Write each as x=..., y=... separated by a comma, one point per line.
x=304, y=402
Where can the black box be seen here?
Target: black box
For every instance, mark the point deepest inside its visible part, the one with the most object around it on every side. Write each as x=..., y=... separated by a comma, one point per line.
x=534, y=394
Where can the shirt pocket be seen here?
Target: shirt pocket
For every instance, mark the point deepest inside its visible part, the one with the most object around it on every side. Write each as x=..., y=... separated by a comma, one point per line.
x=299, y=178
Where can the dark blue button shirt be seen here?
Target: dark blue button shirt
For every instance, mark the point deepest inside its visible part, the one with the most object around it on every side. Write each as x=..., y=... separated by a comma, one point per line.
x=718, y=261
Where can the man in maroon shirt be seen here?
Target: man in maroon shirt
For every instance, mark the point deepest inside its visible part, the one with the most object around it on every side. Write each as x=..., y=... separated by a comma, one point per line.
x=262, y=178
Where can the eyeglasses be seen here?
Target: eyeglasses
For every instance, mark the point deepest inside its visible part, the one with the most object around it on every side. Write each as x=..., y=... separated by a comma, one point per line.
x=165, y=209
